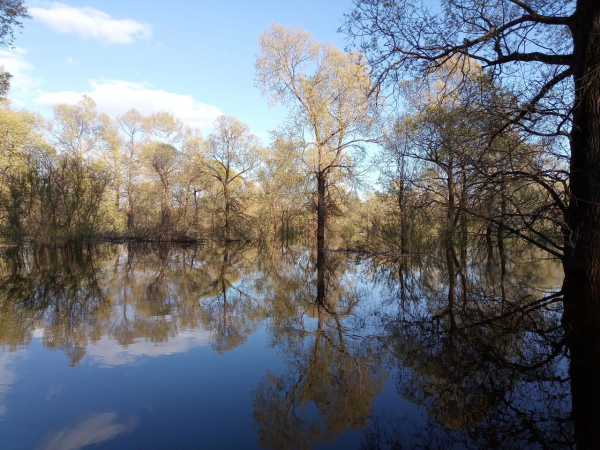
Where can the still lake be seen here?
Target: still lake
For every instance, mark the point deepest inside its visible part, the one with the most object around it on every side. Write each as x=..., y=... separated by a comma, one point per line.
x=223, y=347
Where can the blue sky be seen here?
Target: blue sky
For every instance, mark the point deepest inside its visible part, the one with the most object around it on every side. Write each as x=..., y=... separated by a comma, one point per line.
x=192, y=58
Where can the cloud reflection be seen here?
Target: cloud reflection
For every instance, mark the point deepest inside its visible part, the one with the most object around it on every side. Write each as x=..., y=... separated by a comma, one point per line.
x=96, y=429
x=108, y=352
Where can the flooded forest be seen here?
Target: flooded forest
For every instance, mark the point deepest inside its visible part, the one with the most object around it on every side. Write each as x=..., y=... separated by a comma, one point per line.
x=412, y=260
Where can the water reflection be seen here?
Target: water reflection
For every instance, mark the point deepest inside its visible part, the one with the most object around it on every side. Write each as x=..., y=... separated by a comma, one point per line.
x=483, y=354
x=431, y=351
x=332, y=373
x=130, y=295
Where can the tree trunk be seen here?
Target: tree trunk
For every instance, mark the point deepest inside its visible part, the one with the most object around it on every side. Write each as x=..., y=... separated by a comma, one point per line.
x=321, y=206
x=320, y=272
x=581, y=262
x=501, y=250
x=488, y=242
x=130, y=221
x=450, y=256
x=227, y=224
x=227, y=208
x=403, y=246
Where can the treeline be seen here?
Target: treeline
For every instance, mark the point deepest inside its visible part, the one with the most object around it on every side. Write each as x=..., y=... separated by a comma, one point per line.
x=449, y=166
x=83, y=176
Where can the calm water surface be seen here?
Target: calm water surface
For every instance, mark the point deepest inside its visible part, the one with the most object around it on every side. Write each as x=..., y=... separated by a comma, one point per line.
x=142, y=346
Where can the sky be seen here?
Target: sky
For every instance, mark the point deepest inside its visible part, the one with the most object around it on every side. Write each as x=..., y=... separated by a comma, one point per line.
x=192, y=58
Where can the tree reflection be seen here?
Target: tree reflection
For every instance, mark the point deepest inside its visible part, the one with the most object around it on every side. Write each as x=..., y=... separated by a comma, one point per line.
x=479, y=346
x=74, y=296
x=58, y=289
x=332, y=375
x=229, y=309
x=485, y=361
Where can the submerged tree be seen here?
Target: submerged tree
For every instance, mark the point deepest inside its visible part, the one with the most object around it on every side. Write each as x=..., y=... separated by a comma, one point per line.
x=330, y=110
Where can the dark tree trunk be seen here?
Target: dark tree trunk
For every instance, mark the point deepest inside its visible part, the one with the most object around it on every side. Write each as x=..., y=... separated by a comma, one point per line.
x=321, y=206
x=401, y=206
x=501, y=249
x=489, y=243
x=227, y=224
x=227, y=212
x=130, y=229
x=581, y=263
x=450, y=257
x=464, y=237
x=320, y=273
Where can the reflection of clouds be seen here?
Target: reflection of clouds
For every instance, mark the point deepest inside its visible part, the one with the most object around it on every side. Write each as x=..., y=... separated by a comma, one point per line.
x=108, y=352
x=7, y=377
x=94, y=430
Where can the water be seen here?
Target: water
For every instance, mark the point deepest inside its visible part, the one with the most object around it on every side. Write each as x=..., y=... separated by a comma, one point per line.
x=142, y=346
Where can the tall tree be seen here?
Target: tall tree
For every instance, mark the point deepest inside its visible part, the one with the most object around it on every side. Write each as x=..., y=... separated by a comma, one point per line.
x=327, y=92
x=131, y=125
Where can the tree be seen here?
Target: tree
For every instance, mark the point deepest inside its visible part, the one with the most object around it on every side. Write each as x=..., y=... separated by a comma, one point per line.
x=548, y=55
x=164, y=127
x=283, y=186
x=131, y=125
x=112, y=157
x=232, y=153
x=78, y=129
x=12, y=13
x=327, y=91
x=163, y=160
x=20, y=144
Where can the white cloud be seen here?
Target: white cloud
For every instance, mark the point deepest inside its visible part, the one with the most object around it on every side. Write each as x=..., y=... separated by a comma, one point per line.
x=71, y=60
x=23, y=83
x=115, y=97
x=91, y=23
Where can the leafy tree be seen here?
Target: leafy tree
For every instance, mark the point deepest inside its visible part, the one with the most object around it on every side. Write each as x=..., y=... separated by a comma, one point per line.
x=284, y=186
x=327, y=92
x=78, y=129
x=233, y=152
x=164, y=127
x=163, y=161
